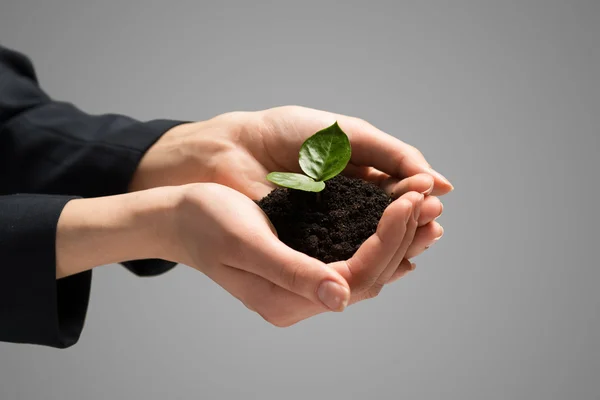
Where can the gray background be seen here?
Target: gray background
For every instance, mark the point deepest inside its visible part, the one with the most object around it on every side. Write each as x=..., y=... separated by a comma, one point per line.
x=503, y=97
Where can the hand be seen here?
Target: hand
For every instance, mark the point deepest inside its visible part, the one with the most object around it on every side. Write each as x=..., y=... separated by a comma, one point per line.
x=208, y=226
x=239, y=149
x=224, y=234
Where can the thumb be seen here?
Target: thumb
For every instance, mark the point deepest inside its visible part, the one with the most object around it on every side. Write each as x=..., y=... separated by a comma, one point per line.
x=296, y=272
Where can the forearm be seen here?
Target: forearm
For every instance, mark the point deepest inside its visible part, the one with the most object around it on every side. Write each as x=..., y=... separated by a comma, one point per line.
x=114, y=229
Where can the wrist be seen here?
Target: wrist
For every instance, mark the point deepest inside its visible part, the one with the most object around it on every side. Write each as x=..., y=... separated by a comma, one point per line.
x=189, y=152
x=113, y=229
x=171, y=160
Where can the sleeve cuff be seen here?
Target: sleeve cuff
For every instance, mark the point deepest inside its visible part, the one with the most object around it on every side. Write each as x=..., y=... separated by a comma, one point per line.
x=152, y=267
x=35, y=307
x=136, y=138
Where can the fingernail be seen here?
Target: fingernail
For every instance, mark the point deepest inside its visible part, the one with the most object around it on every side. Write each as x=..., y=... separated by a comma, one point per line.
x=439, y=176
x=441, y=211
x=441, y=234
x=429, y=190
x=333, y=295
x=413, y=266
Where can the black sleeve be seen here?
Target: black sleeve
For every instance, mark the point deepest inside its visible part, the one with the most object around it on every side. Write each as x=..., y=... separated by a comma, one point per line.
x=36, y=308
x=53, y=148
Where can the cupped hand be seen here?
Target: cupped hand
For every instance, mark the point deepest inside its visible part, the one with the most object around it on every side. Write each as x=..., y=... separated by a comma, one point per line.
x=224, y=234
x=239, y=149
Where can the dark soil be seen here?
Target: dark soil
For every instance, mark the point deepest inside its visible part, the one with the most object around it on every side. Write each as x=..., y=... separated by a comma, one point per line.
x=331, y=225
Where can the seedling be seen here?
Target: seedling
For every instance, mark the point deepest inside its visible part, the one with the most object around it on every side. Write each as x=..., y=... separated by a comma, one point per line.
x=322, y=156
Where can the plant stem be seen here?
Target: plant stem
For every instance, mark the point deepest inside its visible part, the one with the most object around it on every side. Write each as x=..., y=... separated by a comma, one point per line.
x=318, y=197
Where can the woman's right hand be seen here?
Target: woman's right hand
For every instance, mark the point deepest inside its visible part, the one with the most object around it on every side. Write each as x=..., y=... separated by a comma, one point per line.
x=225, y=235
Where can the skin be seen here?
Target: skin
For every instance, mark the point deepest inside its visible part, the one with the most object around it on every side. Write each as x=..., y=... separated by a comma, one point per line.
x=190, y=201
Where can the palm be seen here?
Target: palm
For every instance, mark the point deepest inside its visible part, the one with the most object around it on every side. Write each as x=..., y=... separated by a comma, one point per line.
x=257, y=152
x=269, y=144
x=244, y=172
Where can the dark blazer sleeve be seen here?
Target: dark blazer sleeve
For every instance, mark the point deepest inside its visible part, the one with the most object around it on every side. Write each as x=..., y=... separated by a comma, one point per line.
x=36, y=308
x=51, y=152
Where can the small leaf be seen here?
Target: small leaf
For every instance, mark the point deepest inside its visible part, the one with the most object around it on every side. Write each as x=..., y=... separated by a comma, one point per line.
x=326, y=153
x=295, y=181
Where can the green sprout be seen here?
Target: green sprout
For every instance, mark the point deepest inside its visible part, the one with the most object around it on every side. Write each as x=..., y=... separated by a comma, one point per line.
x=322, y=156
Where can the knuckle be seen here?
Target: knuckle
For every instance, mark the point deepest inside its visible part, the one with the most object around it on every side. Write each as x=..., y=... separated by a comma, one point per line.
x=276, y=309
x=401, y=158
x=293, y=108
x=229, y=115
x=374, y=290
x=362, y=123
x=416, y=153
x=268, y=306
x=250, y=300
x=364, y=282
x=280, y=323
x=289, y=276
x=274, y=317
x=248, y=305
x=288, y=109
x=414, y=149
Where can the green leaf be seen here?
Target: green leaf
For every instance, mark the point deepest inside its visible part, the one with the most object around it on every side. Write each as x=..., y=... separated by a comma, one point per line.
x=295, y=181
x=326, y=153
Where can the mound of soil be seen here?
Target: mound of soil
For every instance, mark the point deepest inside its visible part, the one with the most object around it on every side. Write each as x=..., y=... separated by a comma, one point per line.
x=330, y=226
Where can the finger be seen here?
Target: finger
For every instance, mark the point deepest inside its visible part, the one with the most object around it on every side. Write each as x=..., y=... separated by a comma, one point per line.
x=394, y=187
x=374, y=255
x=420, y=183
x=367, y=173
x=275, y=304
x=403, y=269
x=411, y=228
x=432, y=209
x=266, y=256
x=372, y=147
x=425, y=237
